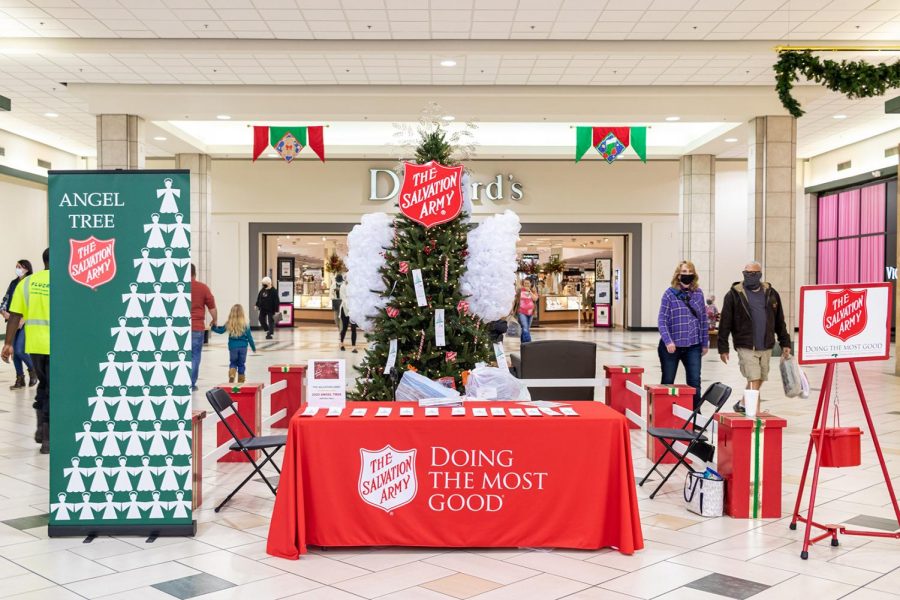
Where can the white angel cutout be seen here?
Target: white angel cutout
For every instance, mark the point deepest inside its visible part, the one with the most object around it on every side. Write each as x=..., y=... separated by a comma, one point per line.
x=110, y=440
x=155, y=507
x=169, y=274
x=145, y=402
x=145, y=265
x=169, y=473
x=132, y=508
x=133, y=309
x=123, y=406
x=86, y=438
x=145, y=475
x=132, y=439
x=179, y=506
x=182, y=437
x=136, y=370
x=182, y=299
x=179, y=233
x=101, y=405
x=157, y=304
x=75, y=473
x=146, y=342
x=123, y=337
x=157, y=439
x=110, y=370
x=85, y=508
x=99, y=483
x=182, y=368
x=62, y=508
x=168, y=195
x=169, y=332
x=122, y=482
x=109, y=508
x=157, y=377
x=155, y=229
x=172, y=405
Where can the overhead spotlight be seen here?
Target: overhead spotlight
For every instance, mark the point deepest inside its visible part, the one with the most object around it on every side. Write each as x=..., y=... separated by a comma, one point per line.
x=160, y=138
x=731, y=140
x=448, y=63
x=52, y=115
x=448, y=118
x=223, y=117
x=673, y=118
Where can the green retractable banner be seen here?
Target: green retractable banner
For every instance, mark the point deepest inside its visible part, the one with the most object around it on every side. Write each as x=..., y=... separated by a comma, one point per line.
x=120, y=344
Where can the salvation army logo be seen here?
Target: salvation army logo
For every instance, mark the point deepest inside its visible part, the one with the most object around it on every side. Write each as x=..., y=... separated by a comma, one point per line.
x=92, y=262
x=431, y=193
x=845, y=313
x=387, y=477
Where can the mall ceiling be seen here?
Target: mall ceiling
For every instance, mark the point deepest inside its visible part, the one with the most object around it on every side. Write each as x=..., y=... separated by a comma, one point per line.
x=563, y=61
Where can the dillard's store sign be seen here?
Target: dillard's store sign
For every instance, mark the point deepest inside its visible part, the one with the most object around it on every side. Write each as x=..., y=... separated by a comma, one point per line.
x=385, y=184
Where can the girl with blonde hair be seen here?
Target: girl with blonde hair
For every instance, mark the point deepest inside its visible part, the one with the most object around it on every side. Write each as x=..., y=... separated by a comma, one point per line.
x=239, y=338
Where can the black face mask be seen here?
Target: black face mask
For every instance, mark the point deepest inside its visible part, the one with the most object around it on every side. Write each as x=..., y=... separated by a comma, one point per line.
x=686, y=279
x=752, y=279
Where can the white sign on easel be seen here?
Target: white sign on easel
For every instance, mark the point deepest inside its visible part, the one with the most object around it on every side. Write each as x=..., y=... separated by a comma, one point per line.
x=326, y=384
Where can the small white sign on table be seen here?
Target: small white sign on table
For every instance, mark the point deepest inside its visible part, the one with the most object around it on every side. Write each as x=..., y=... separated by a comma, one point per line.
x=326, y=384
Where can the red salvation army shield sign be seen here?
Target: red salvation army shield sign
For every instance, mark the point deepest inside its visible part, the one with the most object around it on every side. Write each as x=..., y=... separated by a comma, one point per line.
x=845, y=313
x=387, y=477
x=92, y=262
x=431, y=193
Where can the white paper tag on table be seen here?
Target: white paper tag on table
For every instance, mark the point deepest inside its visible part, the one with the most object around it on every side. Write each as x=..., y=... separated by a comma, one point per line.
x=407, y=411
x=479, y=412
x=568, y=411
x=309, y=411
x=458, y=411
x=517, y=412
x=497, y=411
x=383, y=411
x=420, y=287
x=432, y=411
x=334, y=411
x=392, y=357
x=358, y=412
x=439, y=327
x=550, y=412
x=533, y=412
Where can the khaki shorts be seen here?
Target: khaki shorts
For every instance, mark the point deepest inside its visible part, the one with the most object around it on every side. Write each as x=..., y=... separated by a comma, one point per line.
x=754, y=363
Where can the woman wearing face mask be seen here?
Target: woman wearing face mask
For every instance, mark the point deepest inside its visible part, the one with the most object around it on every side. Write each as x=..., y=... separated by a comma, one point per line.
x=20, y=359
x=683, y=328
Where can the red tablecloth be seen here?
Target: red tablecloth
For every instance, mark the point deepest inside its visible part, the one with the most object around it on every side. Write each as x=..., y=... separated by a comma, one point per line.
x=457, y=481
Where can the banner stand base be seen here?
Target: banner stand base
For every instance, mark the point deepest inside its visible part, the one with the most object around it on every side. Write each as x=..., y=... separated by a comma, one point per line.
x=147, y=531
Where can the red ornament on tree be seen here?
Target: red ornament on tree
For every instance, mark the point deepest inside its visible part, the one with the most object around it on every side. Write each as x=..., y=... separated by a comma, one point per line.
x=404, y=267
x=462, y=307
x=427, y=250
x=450, y=356
x=392, y=312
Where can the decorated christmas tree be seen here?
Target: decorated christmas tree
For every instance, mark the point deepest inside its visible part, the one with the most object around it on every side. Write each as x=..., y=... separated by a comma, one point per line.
x=444, y=337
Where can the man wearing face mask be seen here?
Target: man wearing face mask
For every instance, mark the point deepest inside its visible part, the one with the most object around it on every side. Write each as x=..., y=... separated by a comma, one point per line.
x=752, y=314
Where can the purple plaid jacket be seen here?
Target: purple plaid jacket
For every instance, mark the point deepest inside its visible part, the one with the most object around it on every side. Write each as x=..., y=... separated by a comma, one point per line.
x=676, y=321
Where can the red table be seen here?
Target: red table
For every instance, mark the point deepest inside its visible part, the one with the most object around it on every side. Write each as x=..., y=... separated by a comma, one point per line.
x=660, y=399
x=292, y=396
x=743, y=443
x=618, y=396
x=248, y=397
x=463, y=481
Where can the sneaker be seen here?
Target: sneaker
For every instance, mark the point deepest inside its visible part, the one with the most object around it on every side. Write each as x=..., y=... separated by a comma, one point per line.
x=342, y=348
x=738, y=407
x=194, y=388
x=355, y=351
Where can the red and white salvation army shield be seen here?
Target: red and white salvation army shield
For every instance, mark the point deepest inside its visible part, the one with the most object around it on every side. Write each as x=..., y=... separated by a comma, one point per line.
x=92, y=262
x=845, y=313
x=431, y=193
x=387, y=477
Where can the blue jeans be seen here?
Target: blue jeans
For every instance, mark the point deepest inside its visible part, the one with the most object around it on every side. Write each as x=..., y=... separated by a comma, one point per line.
x=525, y=325
x=19, y=356
x=237, y=359
x=196, y=349
x=688, y=355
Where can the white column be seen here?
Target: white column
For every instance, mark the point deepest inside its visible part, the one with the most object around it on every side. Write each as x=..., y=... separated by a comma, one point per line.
x=120, y=142
x=200, y=166
x=697, y=216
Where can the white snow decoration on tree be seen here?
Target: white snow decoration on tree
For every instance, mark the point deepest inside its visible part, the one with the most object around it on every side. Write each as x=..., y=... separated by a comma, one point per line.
x=490, y=278
x=366, y=245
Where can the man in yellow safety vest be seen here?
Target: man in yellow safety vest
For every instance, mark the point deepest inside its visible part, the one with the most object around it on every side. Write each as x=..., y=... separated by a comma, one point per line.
x=31, y=302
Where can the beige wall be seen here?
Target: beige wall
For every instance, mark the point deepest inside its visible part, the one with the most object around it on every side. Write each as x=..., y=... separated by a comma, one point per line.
x=23, y=154
x=24, y=207
x=865, y=156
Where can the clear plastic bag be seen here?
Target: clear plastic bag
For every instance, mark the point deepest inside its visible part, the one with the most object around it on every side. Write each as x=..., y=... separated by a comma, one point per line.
x=492, y=383
x=791, y=378
x=414, y=387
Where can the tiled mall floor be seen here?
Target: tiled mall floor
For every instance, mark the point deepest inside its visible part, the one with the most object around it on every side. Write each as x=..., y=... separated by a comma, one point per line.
x=685, y=556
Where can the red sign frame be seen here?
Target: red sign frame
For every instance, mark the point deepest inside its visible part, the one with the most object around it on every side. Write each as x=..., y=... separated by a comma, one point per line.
x=435, y=186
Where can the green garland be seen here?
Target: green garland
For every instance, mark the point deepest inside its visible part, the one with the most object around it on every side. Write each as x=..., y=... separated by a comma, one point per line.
x=854, y=79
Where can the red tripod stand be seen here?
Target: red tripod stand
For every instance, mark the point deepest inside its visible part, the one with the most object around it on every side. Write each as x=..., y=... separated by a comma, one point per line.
x=819, y=423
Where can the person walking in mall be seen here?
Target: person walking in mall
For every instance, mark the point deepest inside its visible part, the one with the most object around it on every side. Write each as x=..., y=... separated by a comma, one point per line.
x=526, y=301
x=267, y=305
x=20, y=357
x=202, y=300
x=753, y=316
x=239, y=337
x=345, y=317
x=683, y=329
x=31, y=304
x=334, y=292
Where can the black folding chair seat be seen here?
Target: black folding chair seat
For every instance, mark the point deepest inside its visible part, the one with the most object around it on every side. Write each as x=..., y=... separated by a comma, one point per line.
x=269, y=445
x=717, y=394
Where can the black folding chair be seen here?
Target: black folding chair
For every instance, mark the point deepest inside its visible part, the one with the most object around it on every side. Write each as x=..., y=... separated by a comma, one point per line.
x=690, y=434
x=221, y=401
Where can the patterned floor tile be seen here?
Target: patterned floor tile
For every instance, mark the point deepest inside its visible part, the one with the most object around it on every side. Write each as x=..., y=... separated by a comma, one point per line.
x=725, y=585
x=193, y=585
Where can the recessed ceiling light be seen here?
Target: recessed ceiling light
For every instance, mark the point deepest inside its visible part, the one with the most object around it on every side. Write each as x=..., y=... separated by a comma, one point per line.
x=448, y=63
x=673, y=118
x=160, y=138
x=52, y=115
x=731, y=140
x=448, y=118
x=223, y=117
x=839, y=117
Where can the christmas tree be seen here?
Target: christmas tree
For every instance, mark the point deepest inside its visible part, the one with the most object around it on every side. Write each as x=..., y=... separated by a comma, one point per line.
x=440, y=252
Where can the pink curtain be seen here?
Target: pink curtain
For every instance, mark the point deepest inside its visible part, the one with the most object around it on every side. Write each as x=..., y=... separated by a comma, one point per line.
x=871, y=212
x=848, y=261
x=871, y=258
x=827, y=269
x=848, y=213
x=828, y=216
